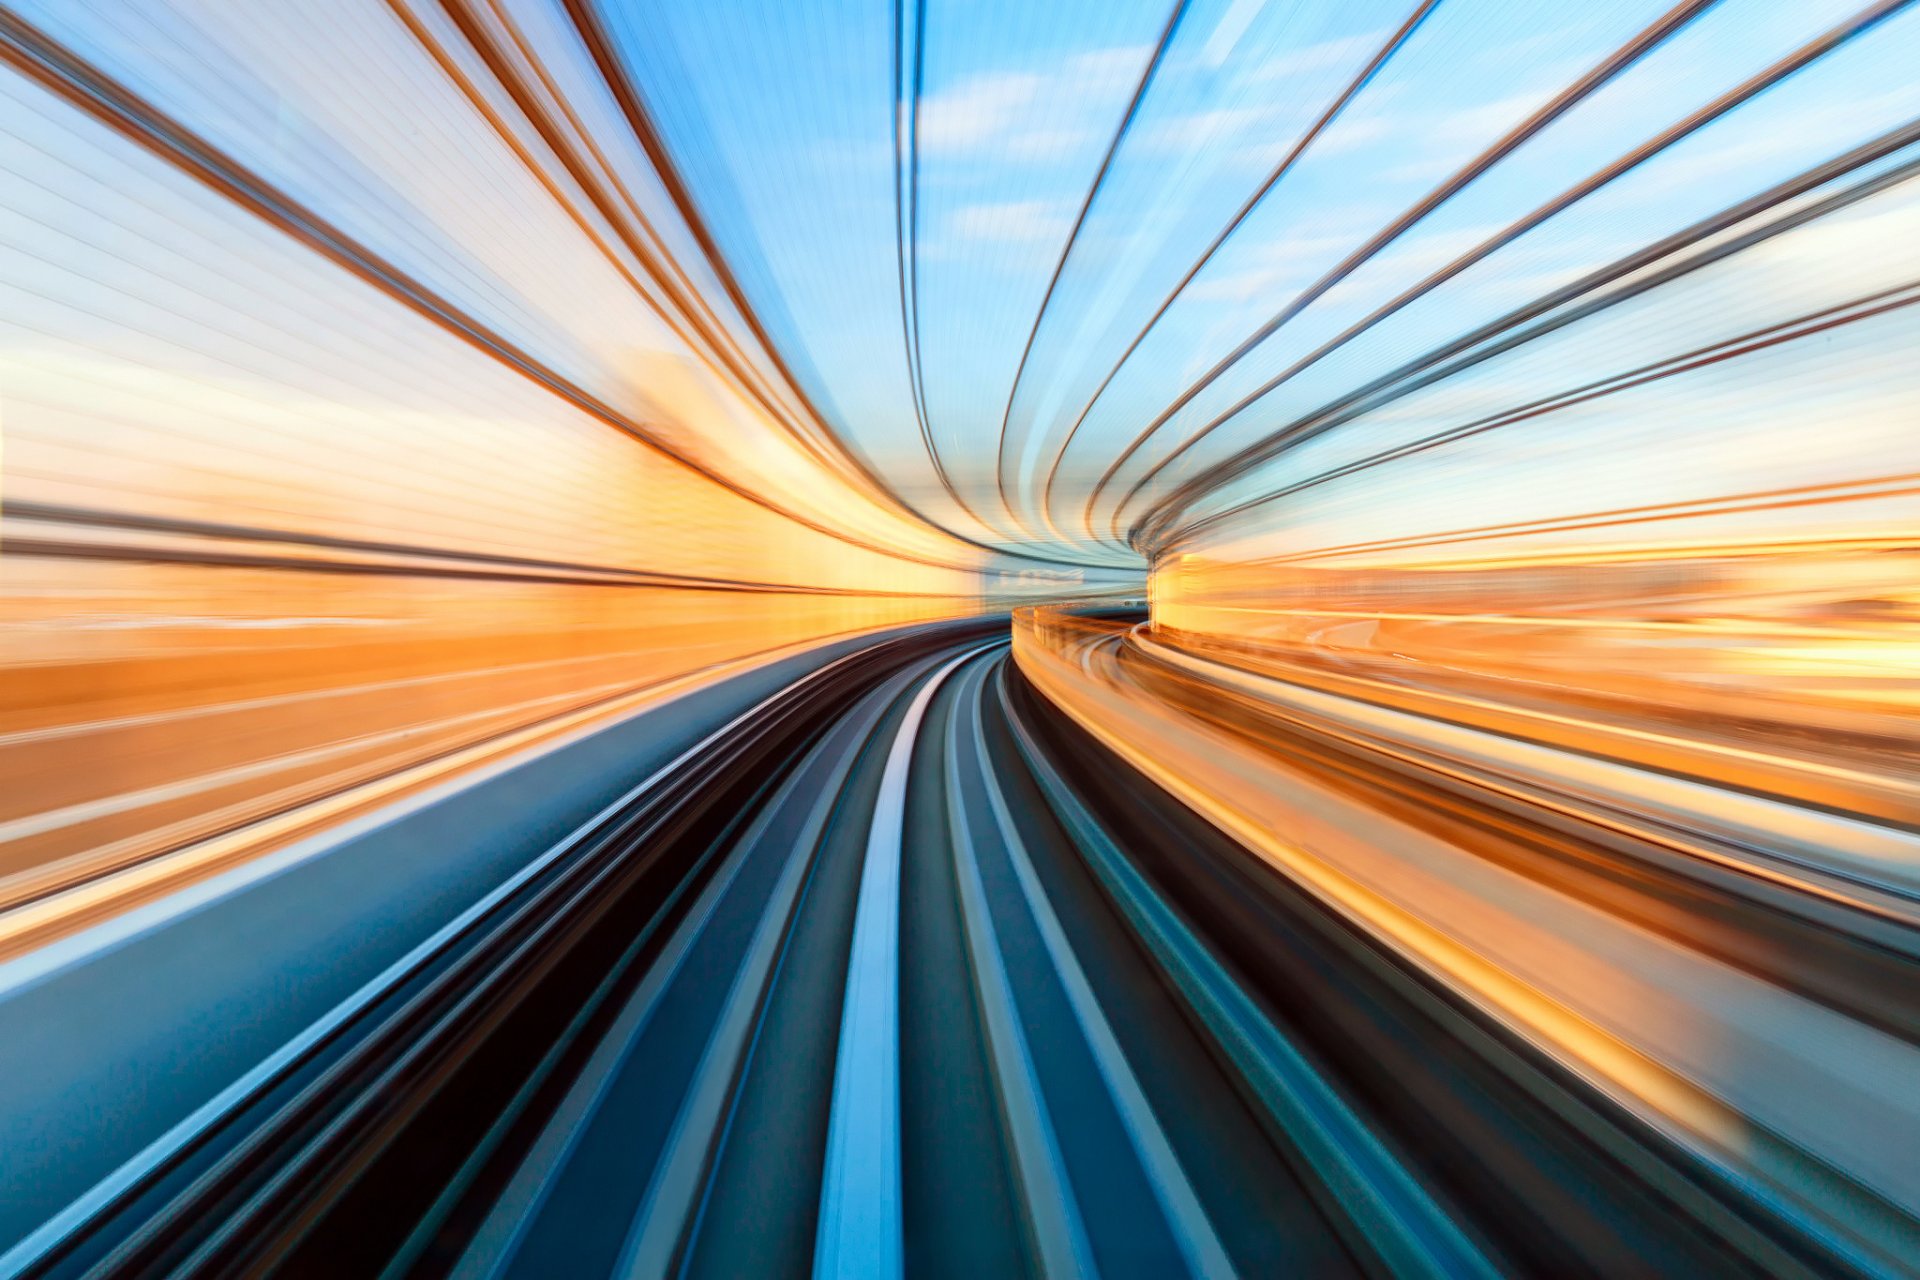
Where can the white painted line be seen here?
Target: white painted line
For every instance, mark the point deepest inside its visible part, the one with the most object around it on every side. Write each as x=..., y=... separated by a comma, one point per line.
x=1053, y=1216
x=24, y=1254
x=673, y=1195
x=1192, y=1231
x=859, y=1234
x=1411, y=1231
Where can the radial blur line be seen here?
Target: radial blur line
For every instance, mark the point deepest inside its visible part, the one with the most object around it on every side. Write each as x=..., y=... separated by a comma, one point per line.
x=1874, y=855
x=1053, y=1217
x=593, y=33
x=905, y=120
x=1120, y=132
x=1671, y=1034
x=1395, y=755
x=860, y=1219
x=1391, y=1213
x=416, y=985
x=1187, y=1219
x=1280, y=170
x=908, y=92
x=666, y=1216
x=1643, y=43
x=1630, y=272
x=63, y=72
x=1695, y=121
x=1811, y=324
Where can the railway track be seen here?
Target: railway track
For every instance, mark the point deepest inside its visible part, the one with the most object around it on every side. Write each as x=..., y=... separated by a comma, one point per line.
x=901, y=972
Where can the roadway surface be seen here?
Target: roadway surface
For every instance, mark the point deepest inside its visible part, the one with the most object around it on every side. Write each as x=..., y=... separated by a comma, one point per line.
x=899, y=970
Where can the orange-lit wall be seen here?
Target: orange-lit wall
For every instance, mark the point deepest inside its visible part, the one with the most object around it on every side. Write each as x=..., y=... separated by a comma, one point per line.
x=345, y=425
x=1703, y=502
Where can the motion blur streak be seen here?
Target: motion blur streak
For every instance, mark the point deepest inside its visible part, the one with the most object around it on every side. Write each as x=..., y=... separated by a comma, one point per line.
x=1132, y=637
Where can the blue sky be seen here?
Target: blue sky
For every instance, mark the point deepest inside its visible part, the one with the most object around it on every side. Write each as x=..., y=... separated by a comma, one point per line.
x=782, y=115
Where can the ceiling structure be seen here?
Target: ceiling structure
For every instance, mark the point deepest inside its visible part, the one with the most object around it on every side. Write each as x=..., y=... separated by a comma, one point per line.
x=1070, y=278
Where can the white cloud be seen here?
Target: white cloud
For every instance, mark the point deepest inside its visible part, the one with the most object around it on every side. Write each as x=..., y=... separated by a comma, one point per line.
x=976, y=112
x=1345, y=51
x=1282, y=265
x=1477, y=126
x=1187, y=133
x=1028, y=115
x=1106, y=65
x=1356, y=130
x=1012, y=221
